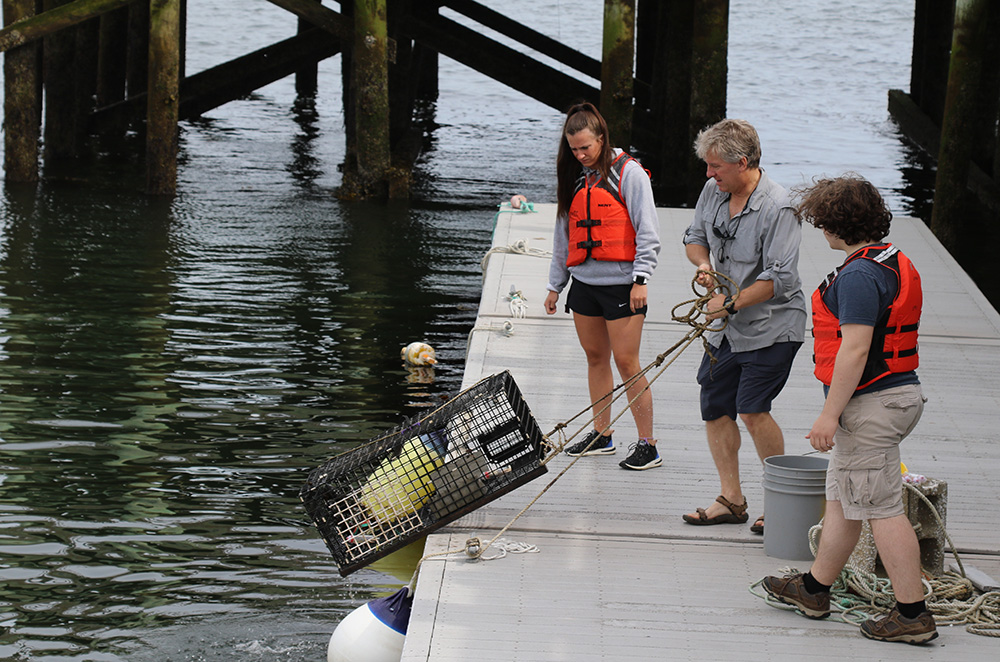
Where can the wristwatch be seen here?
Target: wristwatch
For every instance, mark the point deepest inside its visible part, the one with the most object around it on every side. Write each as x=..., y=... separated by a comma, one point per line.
x=639, y=280
x=729, y=306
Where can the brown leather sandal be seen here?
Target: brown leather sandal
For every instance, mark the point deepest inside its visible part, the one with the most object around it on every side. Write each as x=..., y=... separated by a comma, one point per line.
x=736, y=514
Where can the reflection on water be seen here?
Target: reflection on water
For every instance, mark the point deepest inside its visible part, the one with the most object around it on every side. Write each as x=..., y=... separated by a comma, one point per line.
x=171, y=370
x=169, y=378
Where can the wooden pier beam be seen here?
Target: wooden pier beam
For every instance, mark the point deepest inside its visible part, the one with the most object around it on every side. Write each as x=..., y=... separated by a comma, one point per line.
x=949, y=217
x=221, y=84
x=22, y=100
x=164, y=96
x=57, y=16
x=370, y=101
x=617, y=65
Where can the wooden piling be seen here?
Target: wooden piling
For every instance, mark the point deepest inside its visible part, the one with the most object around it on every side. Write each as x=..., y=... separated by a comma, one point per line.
x=709, y=78
x=932, y=35
x=88, y=37
x=164, y=96
x=617, y=65
x=60, y=129
x=111, y=57
x=670, y=103
x=307, y=78
x=370, y=101
x=388, y=66
x=686, y=71
x=137, y=62
x=987, y=111
x=958, y=129
x=22, y=100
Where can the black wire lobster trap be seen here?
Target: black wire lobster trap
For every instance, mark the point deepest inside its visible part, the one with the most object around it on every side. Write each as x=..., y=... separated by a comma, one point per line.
x=379, y=497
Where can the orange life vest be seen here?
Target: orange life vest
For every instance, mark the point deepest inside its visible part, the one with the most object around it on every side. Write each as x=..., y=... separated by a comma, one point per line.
x=894, y=340
x=599, y=224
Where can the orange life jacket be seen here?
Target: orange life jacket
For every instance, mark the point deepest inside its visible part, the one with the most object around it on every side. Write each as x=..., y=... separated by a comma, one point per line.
x=894, y=340
x=599, y=224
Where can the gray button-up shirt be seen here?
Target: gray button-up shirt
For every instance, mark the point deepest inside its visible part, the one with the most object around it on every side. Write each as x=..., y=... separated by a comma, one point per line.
x=759, y=243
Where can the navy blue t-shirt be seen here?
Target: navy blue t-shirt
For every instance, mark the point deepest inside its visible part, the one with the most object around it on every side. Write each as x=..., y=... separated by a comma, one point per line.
x=859, y=295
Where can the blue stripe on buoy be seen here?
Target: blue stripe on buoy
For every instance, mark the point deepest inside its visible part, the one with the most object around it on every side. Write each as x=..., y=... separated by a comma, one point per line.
x=393, y=610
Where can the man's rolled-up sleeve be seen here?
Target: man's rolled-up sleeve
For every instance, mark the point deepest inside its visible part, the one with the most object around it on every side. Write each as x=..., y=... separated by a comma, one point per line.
x=782, y=240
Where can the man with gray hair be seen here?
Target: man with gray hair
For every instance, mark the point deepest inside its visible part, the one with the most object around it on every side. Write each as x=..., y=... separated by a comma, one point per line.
x=746, y=224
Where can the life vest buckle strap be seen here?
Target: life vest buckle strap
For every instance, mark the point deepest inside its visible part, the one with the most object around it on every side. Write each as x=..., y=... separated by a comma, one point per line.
x=906, y=328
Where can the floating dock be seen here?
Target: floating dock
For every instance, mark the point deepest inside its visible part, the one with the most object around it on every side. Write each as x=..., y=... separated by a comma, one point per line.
x=618, y=575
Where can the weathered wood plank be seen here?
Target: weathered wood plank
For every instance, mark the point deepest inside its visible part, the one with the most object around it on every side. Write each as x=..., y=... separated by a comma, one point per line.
x=538, y=81
x=41, y=25
x=231, y=80
x=525, y=35
x=319, y=16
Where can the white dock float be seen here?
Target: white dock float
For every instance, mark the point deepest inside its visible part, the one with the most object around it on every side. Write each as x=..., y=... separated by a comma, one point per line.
x=618, y=574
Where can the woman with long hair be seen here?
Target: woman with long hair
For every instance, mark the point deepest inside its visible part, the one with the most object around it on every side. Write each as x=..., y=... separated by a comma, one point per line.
x=605, y=247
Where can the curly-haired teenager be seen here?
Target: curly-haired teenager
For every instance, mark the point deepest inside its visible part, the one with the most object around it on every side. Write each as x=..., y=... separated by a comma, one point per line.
x=865, y=319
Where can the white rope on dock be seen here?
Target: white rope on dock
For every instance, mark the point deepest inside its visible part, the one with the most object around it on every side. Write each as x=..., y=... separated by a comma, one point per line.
x=858, y=595
x=519, y=247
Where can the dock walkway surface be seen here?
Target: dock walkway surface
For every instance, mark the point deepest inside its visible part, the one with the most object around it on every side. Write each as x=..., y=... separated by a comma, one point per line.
x=618, y=574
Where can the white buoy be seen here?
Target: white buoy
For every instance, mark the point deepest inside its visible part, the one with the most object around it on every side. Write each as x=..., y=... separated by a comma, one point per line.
x=374, y=632
x=418, y=353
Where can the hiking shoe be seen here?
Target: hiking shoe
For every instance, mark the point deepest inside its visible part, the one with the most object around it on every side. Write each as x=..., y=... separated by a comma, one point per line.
x=896, y=627
x=641, y=456
x=603, y=446
x=791, y=590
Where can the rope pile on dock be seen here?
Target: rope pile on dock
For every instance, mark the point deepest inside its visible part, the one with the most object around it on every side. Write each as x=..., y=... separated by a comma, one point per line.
x=858, y=594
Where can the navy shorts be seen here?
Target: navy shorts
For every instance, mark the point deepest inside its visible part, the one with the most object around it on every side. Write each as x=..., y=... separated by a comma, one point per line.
x=608, y=301
x=744, y=382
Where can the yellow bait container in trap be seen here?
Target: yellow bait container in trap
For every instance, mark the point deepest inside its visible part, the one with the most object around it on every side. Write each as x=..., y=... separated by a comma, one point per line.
x=379, y=497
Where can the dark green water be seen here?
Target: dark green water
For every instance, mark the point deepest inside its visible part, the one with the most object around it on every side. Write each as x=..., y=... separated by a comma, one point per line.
x=171, y=370
x=168, y=374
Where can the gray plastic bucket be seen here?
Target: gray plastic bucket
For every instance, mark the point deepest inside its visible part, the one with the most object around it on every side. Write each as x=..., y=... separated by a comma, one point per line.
x=794, y=500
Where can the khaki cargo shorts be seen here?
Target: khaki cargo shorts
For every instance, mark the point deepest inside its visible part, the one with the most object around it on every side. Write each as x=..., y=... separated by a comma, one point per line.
x=864, y=474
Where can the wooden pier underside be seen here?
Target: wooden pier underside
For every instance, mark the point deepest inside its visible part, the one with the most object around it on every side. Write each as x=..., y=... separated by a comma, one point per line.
x=618, y=575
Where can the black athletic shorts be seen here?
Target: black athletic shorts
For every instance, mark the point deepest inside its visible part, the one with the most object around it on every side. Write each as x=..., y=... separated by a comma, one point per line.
x=608, y=301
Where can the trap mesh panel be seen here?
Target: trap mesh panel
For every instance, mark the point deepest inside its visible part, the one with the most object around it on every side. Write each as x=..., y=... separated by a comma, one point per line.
x=377, y=498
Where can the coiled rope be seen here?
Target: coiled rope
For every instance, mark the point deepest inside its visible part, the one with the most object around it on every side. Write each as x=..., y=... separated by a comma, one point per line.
x=519, y=247
x=858, y=595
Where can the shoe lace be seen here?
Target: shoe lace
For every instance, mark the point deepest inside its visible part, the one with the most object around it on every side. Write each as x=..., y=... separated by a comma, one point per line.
x=638, y=448
x=588, y=441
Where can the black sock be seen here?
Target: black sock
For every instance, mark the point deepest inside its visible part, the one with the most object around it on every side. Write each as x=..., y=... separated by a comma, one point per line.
x=911, y=609
x=814, y=586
